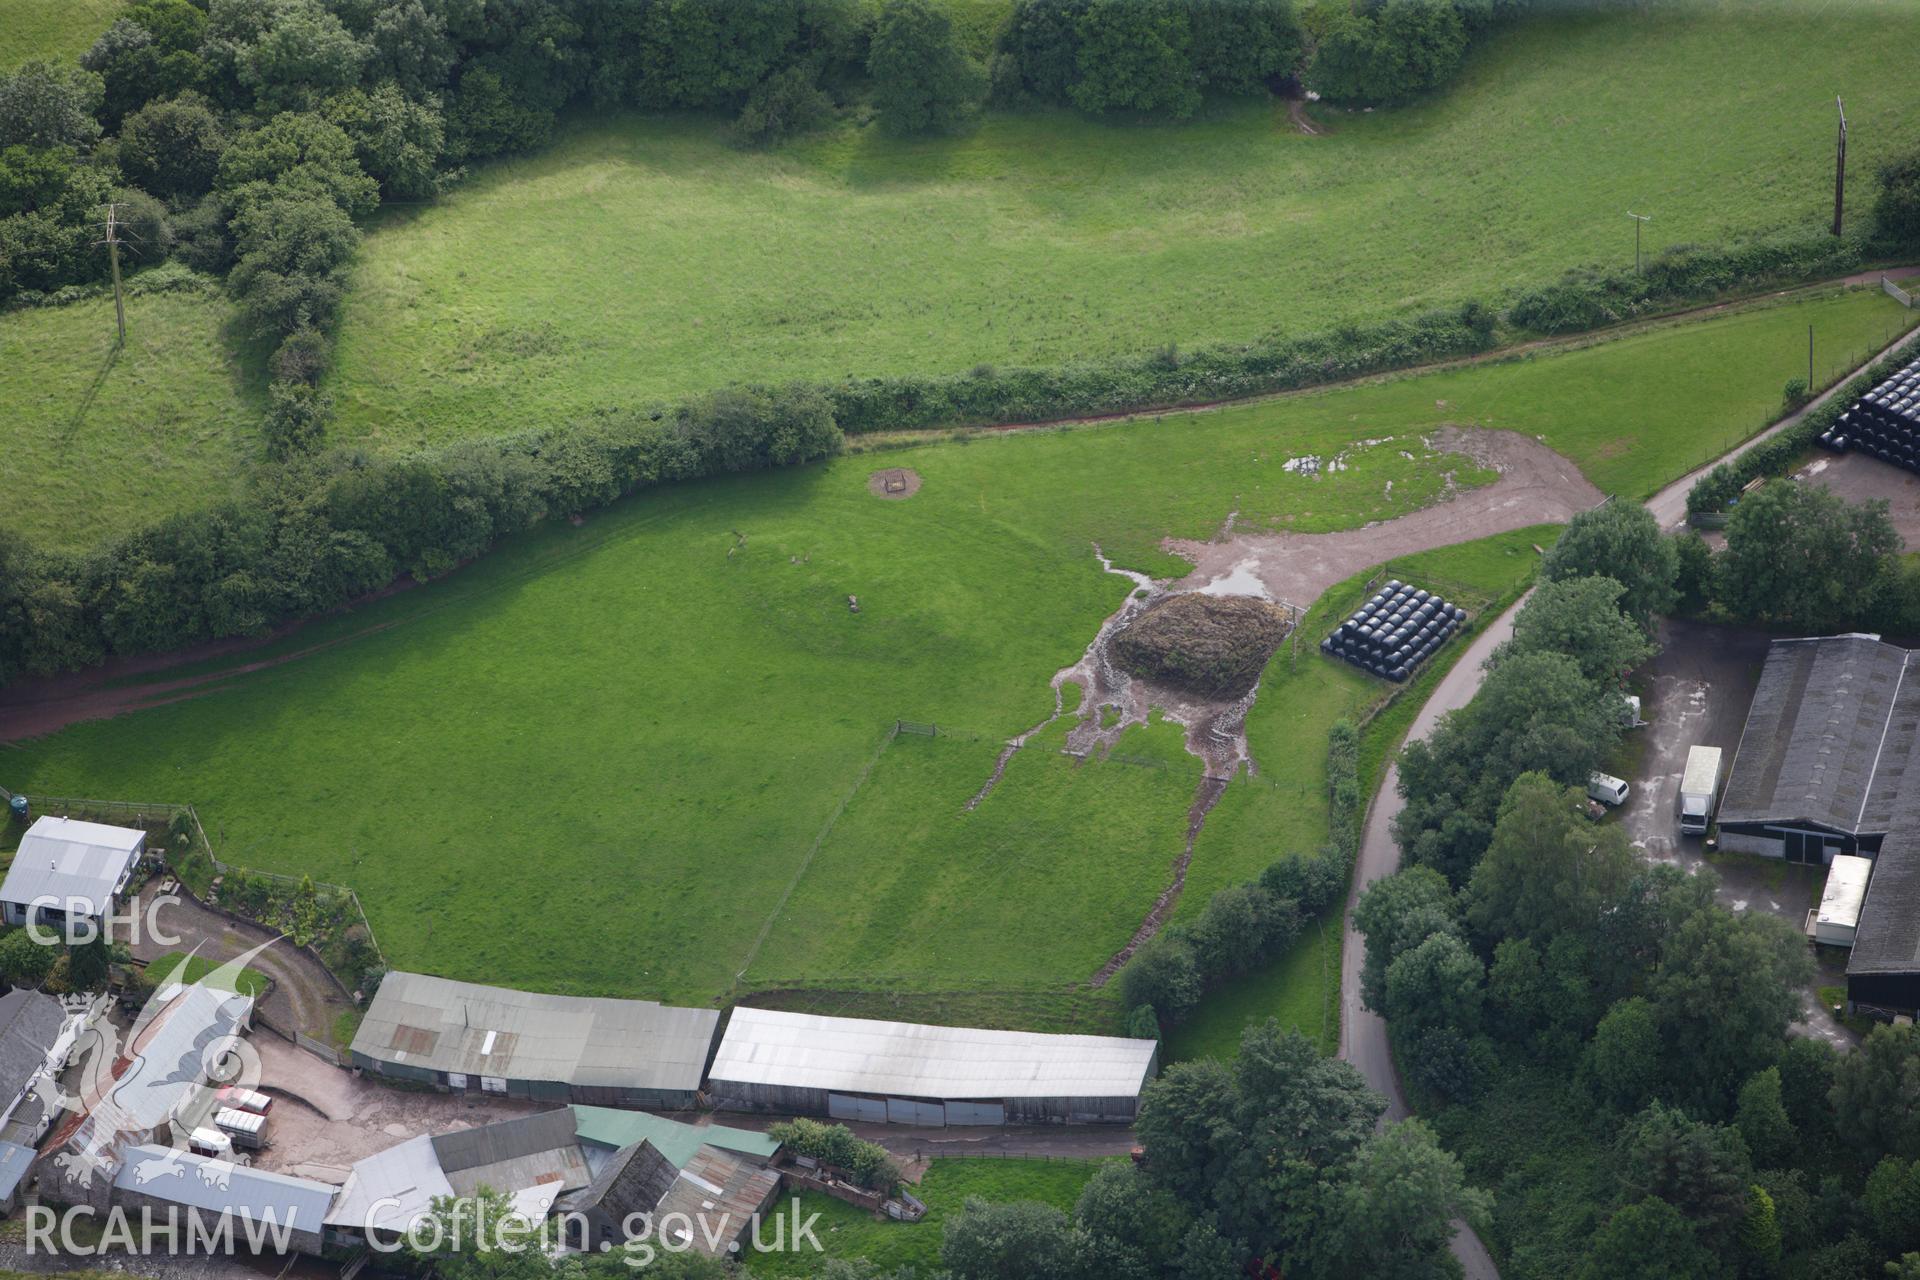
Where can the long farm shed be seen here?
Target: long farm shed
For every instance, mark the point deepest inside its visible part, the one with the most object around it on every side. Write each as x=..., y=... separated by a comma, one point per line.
x=632, y=1053
x=862, y=1069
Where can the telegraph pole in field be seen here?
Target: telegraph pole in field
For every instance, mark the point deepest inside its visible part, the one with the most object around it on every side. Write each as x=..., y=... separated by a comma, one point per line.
x=1639, y=220
x=113, y=254
x=1840, y=168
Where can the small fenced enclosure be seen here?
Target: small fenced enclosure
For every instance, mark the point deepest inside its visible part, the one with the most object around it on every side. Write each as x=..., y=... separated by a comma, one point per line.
x=1895, y=292
x=259, y=896
x=917, y=729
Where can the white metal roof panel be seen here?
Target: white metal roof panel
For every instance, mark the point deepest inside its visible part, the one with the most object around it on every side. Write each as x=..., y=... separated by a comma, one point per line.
x=220, y=1186
x=1846, y=890
x=860, y=1055
x=66, y=859
x=392, y=1189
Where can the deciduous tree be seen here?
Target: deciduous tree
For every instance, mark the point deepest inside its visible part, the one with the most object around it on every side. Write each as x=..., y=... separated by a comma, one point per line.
x=923, y=81
x=1622, y=541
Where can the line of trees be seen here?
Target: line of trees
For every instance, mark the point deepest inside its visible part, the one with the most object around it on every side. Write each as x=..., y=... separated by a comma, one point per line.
x=1275, y=1156
x=1161, y=57
x=321, y=531
x=1525, y=948
x=1248, y=923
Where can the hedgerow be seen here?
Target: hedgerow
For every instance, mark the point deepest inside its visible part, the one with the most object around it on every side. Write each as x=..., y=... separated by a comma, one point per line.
x=317, y=532
x=1588, y=298
x=1164, y=378
x=1719, y=487
x=1250, y=922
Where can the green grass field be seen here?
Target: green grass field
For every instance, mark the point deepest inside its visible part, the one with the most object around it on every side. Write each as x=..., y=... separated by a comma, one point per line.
x=97, y=440
x=53, y=29
x=670, y=702
x=644, y=258
x=1286, y=812
x=847, y=1232
x=169, y=967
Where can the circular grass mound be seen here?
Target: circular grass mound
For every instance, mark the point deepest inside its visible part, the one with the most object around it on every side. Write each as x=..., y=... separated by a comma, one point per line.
x=1211, y=645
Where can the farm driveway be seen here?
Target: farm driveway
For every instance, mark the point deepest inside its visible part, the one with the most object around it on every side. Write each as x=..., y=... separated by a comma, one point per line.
x=1536, y=486
x=1859, y=478
x=1363, y=1033
x=304, y=996
x=1669, y=506
x=325, y=1118
x=1696, y=691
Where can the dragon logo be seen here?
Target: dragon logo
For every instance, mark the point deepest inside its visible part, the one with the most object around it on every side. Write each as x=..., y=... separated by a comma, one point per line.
x=133, y=1091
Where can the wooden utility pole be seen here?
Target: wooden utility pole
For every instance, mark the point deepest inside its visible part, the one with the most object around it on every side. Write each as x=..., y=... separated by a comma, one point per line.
x=113, y=254
x=1639, y=220
x=1840, y=168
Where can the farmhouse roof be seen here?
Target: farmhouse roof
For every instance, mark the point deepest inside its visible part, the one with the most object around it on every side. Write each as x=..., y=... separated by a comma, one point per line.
x=673, y=1139
x=30, y=1022
x=66, y=859
x=392, y=1189
x=859, y=1055
x=1829, y=735
x=219, y=1186
x=172, y=1047
x=442, y=1025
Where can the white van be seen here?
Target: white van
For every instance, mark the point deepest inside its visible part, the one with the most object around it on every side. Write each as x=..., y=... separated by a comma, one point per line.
x=1606, y=788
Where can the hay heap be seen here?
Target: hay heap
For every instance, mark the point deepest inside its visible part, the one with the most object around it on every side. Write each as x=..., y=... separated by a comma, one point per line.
x=1211, y=645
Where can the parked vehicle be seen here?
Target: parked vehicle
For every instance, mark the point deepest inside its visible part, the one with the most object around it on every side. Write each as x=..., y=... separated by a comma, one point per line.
x=1699, y=790
x=1607, y=789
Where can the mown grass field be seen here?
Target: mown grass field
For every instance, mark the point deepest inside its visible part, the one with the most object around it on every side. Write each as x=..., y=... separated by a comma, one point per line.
x=644, y=258
x=98, y=440
x=663, y=708
x=847, y=1232
x=54, y=29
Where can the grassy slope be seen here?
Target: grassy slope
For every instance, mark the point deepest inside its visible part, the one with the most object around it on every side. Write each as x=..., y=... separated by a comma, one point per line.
x=907, y=866
x=99, y=441
x=645, y=258
x=54, y=29
x=1255, y=824
x=656, y=709
x=847, y=1232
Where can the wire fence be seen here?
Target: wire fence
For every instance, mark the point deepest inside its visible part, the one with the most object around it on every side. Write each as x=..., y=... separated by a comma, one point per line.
x=185, y=863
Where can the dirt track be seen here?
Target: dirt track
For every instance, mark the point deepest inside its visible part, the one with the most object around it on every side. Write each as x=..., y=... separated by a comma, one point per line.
x=1536, y=486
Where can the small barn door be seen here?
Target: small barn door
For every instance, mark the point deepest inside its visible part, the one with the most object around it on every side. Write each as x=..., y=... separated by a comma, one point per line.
x=845, y=1106
x=907, y=1111
x=976, y=1113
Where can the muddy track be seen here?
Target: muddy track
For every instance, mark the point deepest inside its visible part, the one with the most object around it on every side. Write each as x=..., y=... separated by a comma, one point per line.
x=1535, y=486
x=1210, y=791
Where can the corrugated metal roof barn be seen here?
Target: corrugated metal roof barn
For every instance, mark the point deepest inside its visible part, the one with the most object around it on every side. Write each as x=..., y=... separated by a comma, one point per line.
x=863, y=1069
x=565, y=1048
